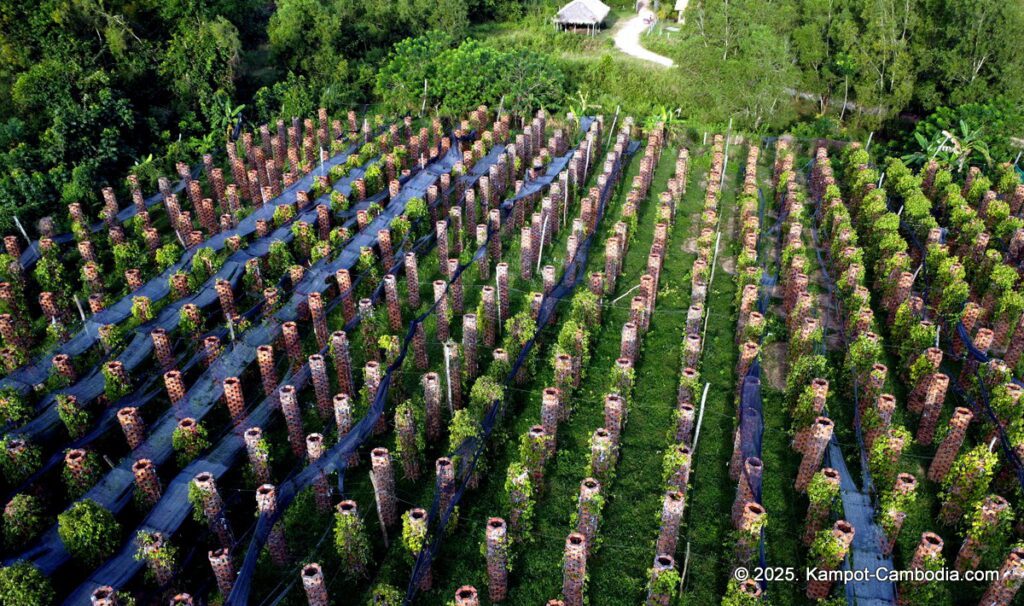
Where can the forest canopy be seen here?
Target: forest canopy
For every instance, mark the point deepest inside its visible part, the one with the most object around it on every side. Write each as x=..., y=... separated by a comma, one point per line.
x=91, y=90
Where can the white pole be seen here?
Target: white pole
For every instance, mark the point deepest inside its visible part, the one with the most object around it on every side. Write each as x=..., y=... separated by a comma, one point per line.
x=700, y=420
x=231, y=329
x=78, y=304
x=611, y=132
x=711, y=279
x=540, y=253
x=941, y=145
x=22, y=230
x=868, y=145
x=501, y=106
x=423, y=106
x=448, y=373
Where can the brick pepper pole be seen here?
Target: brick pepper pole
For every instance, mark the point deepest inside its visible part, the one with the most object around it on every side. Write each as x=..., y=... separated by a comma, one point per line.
x=443, y=311
x=394, y=307
x=223, y=569
x=905, y=484
x=662, y=563
x=588, y=509
x=405, y=428
x=163, y=574
x=445, y=482
x=211, y=350
x=497, y=552
x=382, y=475
x=132, y=425
x=603, y=454
x=950, y=446
x=227, y=298
x=415, y=523
x=432, y=406
x=748, y=533
x=614, y=415
x=293, y=419
x=343, y=420
x=457, y=299
x=266, y=503
x=671, y=517
x=103, y=596
x=574, y=569
x=988, y=515
x=234, y=398
x=470, y=345
x=147, y=481
x=490, y=319
x=175, y=386
x=317, y=313
x=501, y=272
x=313, y=583
x=321, y=488
x=268, y=373
x=342, y=358
x=62, y=364
x=681, y=475
x=931, y=406
x=348, y=306
x=412, y=280
x=928, y=548
x=550, y=414
x=419, y=347
x=321, y=385
x=213, y=507
x=466, y=596
x=258, y=457
x=818, y=513
x=843, y=533
x=820, y=433
x=1002, y=590
x=292, y=343
x=751, y=474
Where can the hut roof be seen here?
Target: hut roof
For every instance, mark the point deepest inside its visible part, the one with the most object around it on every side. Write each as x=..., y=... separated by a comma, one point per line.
x=588, y=12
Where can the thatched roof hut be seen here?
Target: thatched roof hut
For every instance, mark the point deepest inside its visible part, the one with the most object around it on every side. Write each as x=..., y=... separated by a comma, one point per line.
x=582, y=13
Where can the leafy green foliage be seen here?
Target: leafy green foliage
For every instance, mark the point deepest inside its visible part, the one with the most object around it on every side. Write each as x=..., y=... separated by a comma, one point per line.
x=89, y=532
x=22, y=584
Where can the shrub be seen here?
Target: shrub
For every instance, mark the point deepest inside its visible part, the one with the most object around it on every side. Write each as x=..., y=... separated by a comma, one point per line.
x=13, y=407
x=23, y=519
x=89, y=532
x=22, y=584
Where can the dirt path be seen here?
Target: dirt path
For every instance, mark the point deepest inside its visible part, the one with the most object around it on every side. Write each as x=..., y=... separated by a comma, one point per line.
x=627, y=40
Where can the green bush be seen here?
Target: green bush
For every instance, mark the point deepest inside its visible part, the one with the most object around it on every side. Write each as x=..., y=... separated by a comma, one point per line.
x=89, y=532
x=21, y=584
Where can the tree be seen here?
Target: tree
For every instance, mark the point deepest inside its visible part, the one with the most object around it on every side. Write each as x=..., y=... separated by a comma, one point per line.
x=201, y=60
